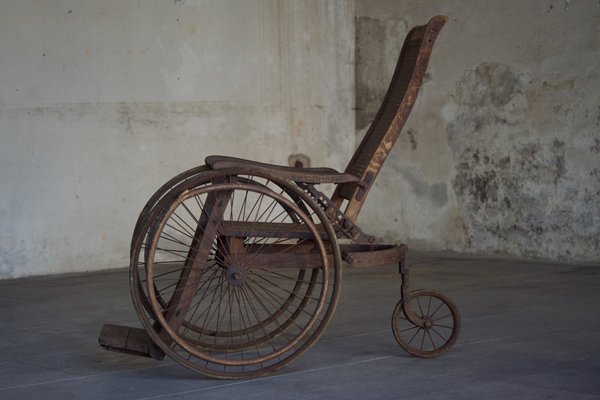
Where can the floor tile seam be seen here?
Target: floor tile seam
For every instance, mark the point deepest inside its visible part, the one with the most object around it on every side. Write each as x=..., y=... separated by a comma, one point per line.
x=44, y=367
x=334, y=338
x=502, y=338
x=266, y=378
x=81, y=377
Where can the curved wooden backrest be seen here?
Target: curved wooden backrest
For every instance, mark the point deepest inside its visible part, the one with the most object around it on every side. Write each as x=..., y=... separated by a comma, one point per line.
x=392, y=115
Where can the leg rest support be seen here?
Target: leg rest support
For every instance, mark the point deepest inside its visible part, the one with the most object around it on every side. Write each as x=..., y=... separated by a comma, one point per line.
x=125, y=339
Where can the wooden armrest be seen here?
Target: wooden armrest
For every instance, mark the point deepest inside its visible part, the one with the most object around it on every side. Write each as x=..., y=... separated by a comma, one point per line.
x=306, y=175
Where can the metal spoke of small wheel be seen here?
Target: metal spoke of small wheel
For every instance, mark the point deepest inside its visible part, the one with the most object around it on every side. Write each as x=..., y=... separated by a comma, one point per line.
x=429, y=306
x=408, y=329
x=420, y=308
x=437, y=333
x=444, y=326
x=405, y=336
x=440, y=318
x=413, y=337
x=423, y=339
x=431, y=339
x=437, y=309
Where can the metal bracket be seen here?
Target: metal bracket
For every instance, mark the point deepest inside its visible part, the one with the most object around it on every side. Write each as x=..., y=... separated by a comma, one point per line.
x=336, y=216
x=360, y=194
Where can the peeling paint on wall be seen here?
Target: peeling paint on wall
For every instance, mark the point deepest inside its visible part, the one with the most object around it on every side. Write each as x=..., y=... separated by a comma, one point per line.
x=517, y=189
x=508, y=119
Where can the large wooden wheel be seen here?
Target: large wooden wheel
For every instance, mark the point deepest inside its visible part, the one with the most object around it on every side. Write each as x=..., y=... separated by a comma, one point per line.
x=241, y=274
x=152, y=213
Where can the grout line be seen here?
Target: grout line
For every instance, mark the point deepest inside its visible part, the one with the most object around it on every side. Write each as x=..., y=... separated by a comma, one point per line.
x=353, y=336
x=75, y=378
x=491, y=340
x=226, y=385
x=498, y=339
x=154, y=366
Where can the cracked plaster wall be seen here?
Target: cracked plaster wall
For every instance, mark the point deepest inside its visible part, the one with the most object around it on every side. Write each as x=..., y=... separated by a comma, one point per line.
x=501, y=154
x=103, y=101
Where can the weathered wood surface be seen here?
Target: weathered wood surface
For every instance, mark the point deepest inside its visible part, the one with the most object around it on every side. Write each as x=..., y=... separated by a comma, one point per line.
x=391, y=117
x=307, y=175
x=304, y=255
x=125, y=339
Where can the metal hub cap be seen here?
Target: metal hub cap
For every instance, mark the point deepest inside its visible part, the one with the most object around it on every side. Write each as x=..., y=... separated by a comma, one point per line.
x=236, y=276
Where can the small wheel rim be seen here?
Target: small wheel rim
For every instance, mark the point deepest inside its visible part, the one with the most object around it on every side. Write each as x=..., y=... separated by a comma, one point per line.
x=440, y=329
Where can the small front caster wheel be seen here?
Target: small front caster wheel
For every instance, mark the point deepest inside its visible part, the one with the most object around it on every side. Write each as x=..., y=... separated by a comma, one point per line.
x=440, y=329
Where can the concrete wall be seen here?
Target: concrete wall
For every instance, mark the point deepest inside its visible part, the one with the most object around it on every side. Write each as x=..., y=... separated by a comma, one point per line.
x=102, y=101
x=502, y=151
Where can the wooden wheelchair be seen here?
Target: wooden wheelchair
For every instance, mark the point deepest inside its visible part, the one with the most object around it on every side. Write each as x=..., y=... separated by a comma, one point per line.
x=236, y=265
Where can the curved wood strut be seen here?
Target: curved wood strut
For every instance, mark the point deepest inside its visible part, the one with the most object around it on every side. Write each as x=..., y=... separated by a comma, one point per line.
x=391, y=117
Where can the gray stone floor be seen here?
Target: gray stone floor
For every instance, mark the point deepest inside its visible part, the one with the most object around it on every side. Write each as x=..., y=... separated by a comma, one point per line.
x=531, y=330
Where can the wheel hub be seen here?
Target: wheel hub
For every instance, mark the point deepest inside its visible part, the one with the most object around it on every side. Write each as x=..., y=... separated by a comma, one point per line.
x=236, y=275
